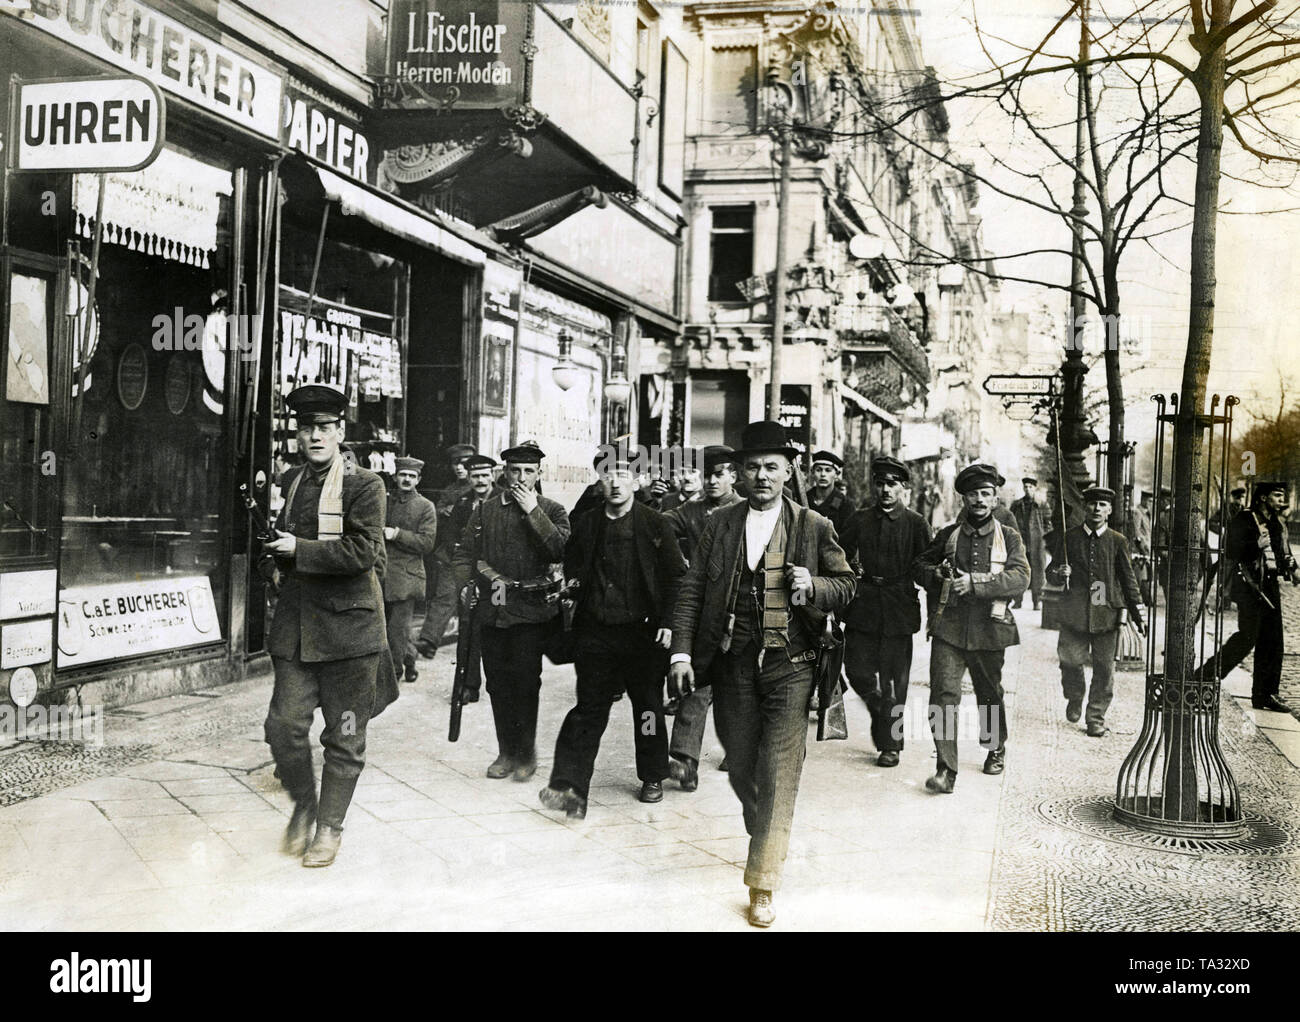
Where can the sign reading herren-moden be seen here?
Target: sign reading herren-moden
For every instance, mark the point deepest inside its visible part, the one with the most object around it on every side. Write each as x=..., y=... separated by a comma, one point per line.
x=456, y=53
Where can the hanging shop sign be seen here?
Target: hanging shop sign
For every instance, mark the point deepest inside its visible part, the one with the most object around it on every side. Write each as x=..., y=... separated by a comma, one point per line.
x=127, y=619
x=796, y=414
x=353, y=349
x=324, y=132
x=466, y=54
x=87, y=123
x=179, y=60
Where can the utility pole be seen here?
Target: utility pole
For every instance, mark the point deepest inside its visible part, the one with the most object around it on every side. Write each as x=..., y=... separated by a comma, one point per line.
x=1073, y=441
x=778, y=285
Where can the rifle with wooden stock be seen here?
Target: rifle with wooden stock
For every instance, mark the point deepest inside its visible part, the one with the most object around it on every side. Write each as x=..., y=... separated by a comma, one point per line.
x=468, y=657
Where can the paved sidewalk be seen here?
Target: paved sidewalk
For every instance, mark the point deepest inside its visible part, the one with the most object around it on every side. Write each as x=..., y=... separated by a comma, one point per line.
x=182, y=830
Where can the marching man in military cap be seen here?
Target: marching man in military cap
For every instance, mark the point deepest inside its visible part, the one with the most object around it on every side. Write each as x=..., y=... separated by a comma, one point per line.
x=881, y=542
x=440, y=581
x=823, y=496
x=409, y=536
x=1261, y=556
x=761, y=581
x=688, y=521
x=513, y=545
x=971, y=572
x=328, y=634
x=624, y=565
x=1097, y=572
x=1029, y=523
x=482, y=484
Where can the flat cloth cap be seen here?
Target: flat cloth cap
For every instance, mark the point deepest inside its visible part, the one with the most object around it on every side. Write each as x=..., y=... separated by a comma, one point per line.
x=458, y=452
x=718, y=454
x=883, y=464
x=829, y=458
x=972, y=477
x=1099, y=493
x=527, y=453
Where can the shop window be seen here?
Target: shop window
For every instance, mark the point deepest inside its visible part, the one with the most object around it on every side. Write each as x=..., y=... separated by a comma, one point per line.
x=732, y=91
x=28, y=462
x=719, y=407
x=731, y=251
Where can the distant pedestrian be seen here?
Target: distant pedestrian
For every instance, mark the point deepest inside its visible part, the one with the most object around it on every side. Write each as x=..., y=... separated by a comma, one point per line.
x=823, y=496
x=1100, y=583
x=882, y=542
x=624, y=565
x=409, y=535
x=1029, y=523
x=971, y=571
x=440, y=583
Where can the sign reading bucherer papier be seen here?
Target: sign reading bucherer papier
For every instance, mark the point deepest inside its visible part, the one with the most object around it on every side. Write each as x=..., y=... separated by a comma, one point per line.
x=88, y=124
x=127, y=619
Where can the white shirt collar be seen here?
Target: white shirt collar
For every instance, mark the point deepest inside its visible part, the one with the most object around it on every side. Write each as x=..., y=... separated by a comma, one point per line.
x=1102, y=528
x=759, y=526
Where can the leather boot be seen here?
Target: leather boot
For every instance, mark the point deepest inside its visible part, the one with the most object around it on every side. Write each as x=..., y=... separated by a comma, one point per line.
x=298, y=833
x=324, y=846
x=686, y=772
x=760, y=908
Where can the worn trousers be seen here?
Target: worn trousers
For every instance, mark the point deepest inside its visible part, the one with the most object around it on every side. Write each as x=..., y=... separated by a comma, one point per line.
x=947, y=665
x=878, y=667
x=439, y=600
x=1079, y=649
x=687, y=740
x=399, y=632
x=512, y=670
x=1259, y=627
x=762, y=719
x=345, y=692
x=611, y=660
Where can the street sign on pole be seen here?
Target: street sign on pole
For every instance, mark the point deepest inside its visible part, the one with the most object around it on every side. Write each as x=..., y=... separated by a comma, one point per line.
x=83, y=125
x=1020, y=412
x=1018, y=383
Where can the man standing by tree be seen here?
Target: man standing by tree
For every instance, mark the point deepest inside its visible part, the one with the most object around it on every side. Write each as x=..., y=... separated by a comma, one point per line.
x=762, y=579
x=624, y=563
x=1029, y=522
x=688, y=523
x=1099, y=581
x=881, y=542
x=823, y=497
x=970, y=572
x=1257, y=545
x=514, y=547
x=410, y=534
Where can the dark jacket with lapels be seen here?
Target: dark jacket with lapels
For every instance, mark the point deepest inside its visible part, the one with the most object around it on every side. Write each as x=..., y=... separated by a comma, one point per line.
x=330, y=605
x=705, y=598
x=658, y=558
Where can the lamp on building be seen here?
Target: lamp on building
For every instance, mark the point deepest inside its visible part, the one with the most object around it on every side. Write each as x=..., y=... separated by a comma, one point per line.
x=565, y=372
x=866, y=246
x=618, y=388
x=901, y=296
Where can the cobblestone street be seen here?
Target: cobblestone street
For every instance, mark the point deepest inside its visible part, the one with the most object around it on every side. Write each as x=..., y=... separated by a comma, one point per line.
x=176, y=822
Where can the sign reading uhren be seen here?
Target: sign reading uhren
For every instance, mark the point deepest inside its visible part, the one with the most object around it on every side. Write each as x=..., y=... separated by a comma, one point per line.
x=88, y=124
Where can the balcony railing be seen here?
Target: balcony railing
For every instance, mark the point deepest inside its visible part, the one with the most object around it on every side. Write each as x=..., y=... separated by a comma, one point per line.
x=873, y=324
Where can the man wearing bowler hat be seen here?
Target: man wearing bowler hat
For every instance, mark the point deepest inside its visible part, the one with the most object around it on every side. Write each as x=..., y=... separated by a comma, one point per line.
x=440, y=581
x=823, y=496
x=1097, y=571
x=688, y=521
x=1261, y=556
x=761, y=581
x=328, y=635
x=971, y=571
x=513, y=546
x=881, y=541
x=409, y=537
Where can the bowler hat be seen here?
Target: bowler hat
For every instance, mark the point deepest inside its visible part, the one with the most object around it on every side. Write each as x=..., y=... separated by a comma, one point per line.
x=883, y=464
x=766, y=437
x=972, y=477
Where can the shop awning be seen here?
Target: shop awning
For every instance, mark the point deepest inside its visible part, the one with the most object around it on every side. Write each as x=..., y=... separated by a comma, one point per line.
x=396, y=218
x=870, y=407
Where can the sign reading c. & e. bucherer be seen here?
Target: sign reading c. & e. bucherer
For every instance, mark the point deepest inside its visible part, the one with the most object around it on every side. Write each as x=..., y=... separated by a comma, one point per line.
x=88, y=124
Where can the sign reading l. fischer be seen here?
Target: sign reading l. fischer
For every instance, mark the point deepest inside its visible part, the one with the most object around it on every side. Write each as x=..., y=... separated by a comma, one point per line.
x=88, y=124
x=467, y=53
